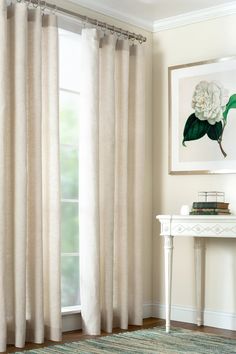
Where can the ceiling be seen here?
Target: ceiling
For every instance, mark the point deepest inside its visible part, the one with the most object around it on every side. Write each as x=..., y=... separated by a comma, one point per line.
x=147, y=13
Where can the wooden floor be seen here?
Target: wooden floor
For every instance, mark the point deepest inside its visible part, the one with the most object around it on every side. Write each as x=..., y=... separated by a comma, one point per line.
x=148, y=323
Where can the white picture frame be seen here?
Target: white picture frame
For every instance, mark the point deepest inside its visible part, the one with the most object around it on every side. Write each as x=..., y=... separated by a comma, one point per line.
x=201, y=156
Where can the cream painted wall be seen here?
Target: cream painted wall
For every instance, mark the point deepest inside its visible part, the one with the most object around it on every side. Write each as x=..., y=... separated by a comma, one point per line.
x=147, y=241
x=192, y=43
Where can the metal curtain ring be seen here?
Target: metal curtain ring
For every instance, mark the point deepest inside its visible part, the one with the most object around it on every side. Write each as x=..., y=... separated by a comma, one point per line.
x=85, y=22
x=112, y=29
x=43, y=8
x=36, y=4
x=104, y=27
x=54, y=10
x=140, y=38
x=119, y=32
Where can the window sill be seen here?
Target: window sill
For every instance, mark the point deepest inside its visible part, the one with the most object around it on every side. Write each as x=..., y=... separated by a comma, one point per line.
x=70, y=310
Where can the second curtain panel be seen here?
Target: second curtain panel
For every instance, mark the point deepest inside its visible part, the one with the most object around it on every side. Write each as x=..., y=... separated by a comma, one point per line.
x=112, y=152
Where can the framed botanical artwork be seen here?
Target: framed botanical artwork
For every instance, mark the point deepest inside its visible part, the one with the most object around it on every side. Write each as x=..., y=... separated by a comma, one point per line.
x=202, y=114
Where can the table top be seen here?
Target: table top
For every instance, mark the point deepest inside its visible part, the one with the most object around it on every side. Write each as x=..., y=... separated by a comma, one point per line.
x=196, y=217
x=198, y=225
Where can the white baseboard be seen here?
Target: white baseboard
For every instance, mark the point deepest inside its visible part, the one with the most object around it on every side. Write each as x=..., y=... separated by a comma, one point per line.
x=71, y=322
x=188, y=314
x=148, y=310
x=178, y=313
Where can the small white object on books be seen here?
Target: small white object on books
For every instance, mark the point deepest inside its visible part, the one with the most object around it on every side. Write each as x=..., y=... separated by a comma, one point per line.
x=184, y=210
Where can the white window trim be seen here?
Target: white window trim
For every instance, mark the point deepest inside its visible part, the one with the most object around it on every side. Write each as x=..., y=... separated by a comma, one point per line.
x=71, y=315
x=70, y=310
x=74, y=92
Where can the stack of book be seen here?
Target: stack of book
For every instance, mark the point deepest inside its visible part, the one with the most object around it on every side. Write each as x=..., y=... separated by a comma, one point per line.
x=210, y=208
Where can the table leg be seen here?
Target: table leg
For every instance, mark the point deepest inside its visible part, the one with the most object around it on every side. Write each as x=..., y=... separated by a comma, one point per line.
x=168, y=277
x=199, y=246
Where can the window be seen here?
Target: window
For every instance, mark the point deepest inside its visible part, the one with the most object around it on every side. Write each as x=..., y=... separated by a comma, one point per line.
x=69, y=128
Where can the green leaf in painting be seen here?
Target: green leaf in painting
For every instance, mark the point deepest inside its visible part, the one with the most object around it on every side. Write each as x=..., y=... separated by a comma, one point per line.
x=230, y=104
x=215, y=131
x=194, y=128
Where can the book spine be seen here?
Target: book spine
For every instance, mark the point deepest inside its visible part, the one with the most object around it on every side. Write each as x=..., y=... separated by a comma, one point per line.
x=226, y=211
x=203, y=213
x=210, y=205
x=208, y=213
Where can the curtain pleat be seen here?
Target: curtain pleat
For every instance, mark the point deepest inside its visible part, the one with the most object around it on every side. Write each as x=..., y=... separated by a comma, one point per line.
x=89, y=184
x=106, y=175
x=29, y=177
x=121, y=252
x=3, y=114
x=8, y=149
x=20, y=171
x=51, y=179
x=112, y=153
x=136, y=147
x=34, y=245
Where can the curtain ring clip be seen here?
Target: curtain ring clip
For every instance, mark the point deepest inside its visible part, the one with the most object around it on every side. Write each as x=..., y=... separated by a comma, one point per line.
x=132, y=37
x=119, y=32
x=140, y=38
x=85, y=22
x=44, y=6
x=104, y=27
x=112, y=29
x=54, y=11
x=36, y=4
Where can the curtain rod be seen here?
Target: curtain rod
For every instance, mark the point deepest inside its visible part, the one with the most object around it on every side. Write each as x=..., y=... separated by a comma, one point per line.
x=99, y=24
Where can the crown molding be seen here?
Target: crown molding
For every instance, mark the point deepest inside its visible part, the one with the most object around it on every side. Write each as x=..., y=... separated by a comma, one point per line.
x=118, y=15
x=185, y=19
x=189, y=18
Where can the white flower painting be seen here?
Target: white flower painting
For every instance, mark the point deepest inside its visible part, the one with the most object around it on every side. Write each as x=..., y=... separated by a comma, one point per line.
x=211, y=105
x=202, y=117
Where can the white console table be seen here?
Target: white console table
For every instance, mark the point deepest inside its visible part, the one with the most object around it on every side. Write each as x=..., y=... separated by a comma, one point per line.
x=199, y=227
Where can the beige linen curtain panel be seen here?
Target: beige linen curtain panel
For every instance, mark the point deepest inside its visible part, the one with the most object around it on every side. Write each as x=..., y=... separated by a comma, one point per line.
x=29, y=177
x=111, y=182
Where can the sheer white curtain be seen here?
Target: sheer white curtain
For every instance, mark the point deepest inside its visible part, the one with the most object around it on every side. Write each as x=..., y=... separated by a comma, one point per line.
x=112, y=150
x=29, y=177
